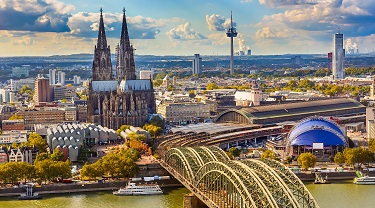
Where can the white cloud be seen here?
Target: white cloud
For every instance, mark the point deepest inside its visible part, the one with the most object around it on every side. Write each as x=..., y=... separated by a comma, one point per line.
x=216, y=22
x=86, y=24
x=34, y=15
x=25, y=40
x=318, y=19
x=184, y=32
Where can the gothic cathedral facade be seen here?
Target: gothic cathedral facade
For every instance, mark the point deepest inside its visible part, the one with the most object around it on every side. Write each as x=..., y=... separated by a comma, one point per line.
x=121, y=99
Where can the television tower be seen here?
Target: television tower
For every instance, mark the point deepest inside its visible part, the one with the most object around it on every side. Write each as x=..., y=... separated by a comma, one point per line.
x=232, y=33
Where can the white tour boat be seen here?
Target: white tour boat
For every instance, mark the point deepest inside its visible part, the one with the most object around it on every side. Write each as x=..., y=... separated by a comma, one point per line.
x=143, y=189
x=364, y=180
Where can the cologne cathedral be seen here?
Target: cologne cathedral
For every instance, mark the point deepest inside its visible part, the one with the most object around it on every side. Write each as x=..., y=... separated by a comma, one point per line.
x=120, y=99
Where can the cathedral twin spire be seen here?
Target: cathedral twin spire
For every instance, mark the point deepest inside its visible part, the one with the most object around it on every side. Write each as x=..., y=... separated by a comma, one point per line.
x=102, y=39
x=102, y=66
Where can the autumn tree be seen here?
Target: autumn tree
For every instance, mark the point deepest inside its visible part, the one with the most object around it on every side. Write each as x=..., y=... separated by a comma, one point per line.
x=153, y=130
x=357, y=156
x=57, y=155
x=15, y=117
x=371, y=144
x=26, y=90
x=91, y=171
x=306, y=160
x=36, y=140
x=212, y=86
x=269, y=154
x=339, y=158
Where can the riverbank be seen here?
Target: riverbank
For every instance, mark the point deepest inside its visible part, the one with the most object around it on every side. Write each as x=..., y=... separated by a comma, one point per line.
x=111, y=185
x=59, y=188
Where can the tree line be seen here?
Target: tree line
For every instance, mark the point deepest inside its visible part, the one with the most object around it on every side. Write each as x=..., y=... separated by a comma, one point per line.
x=46, y=168
x=116, y=164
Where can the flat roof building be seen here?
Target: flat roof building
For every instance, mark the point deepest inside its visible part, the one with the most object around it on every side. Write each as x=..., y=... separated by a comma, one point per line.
x=292, y=111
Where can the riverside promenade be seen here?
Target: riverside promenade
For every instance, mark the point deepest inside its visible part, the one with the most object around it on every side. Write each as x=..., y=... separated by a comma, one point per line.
x=82, y=186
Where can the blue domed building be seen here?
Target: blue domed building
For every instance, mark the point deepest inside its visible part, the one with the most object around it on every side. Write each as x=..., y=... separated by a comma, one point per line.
x=317, y=135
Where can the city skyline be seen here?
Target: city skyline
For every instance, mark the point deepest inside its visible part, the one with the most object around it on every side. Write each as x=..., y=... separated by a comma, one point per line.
x=185, y=27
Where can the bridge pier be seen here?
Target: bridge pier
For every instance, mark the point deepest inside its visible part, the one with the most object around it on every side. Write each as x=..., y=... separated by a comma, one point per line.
x=191, y=201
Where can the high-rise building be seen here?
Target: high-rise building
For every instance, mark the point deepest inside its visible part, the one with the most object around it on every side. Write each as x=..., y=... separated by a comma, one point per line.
x=76, y=80
x=4, y=96
x=42, y=90
x=61, y=78
x=114, y=101
x=338, y=56
x=197, y=64
x=52, y=76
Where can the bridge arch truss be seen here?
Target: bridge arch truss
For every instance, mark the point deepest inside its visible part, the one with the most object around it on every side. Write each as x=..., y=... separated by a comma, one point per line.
x=220, y=182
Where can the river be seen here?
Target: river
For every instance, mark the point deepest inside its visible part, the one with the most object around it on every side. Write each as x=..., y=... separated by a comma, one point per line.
x=337, y=194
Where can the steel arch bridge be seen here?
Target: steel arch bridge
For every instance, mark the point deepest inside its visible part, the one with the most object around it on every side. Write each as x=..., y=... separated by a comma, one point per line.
x=220, y=182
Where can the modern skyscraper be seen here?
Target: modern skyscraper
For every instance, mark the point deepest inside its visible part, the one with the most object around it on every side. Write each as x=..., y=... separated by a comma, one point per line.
x=42, y=91
x=52, y=76
x=197, y=64
x=61, y=78
x=232, y=33
x=338, y=56
x=114, y=101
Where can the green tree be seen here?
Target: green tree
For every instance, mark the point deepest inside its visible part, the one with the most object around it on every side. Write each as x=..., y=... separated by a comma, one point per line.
x=42, y=156
x=289, y=160
x=43, y=169
x=111, y=164
x=37, y=141
x=157, y=82
x=358, y=156
x=57, y=155
x=153, y=130
x=306, y=160
x=268, y=154
x=234, y=151
x=26, y=90
x=339, y=158
x=127, y=167
x=91, y=171
x=212, y=86
x=371, y=144
x=157, y=121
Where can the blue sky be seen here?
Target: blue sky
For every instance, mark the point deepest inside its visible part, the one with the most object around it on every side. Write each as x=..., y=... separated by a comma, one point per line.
x=186, y=27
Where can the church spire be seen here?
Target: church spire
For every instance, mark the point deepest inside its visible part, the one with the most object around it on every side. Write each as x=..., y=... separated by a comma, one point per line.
x=102, y=39
x=102, y=65
x=125, y=42
x=125, y=68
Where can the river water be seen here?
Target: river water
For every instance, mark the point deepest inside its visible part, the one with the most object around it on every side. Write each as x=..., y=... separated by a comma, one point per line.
x=338, y=194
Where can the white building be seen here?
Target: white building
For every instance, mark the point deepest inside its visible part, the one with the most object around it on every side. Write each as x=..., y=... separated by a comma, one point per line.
x=15, y=136
x=77, y=80
x=145, y=74
x=338, y=56
x=61, y=78
x=4, y=96
x=12, y=97
x=15, y=85
x=52, y=76
x=197, y=64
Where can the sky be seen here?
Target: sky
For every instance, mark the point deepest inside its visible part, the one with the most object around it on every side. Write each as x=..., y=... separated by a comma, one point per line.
x=186, y=27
